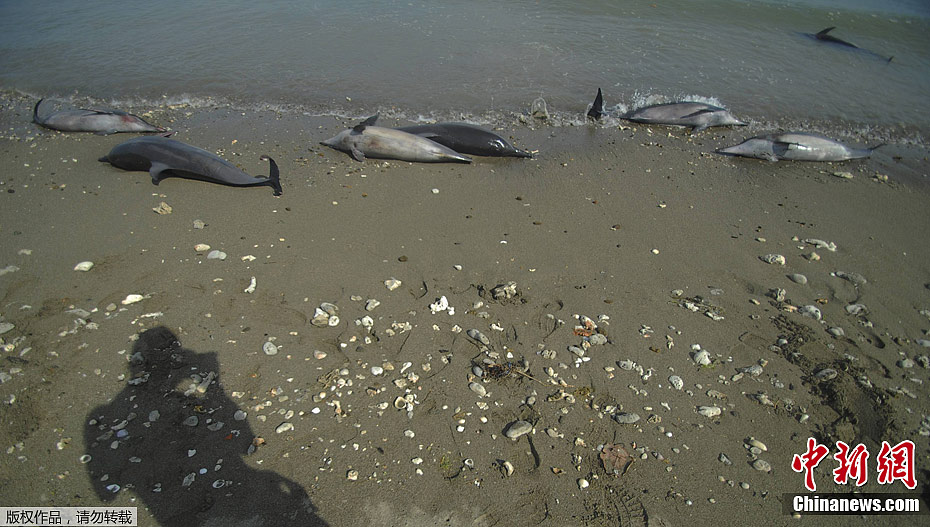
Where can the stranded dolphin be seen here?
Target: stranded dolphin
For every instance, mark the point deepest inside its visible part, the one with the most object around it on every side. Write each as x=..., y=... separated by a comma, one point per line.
x=102, y=122
x=698, y=115
x=164, y=157
x=367, y=140
x=796, y=146
x=466, y=139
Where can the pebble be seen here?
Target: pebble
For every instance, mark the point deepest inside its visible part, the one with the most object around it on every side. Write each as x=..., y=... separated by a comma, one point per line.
x=191, y=421
x=478, y=388
x=240, y=415
x=906, y=363
x=626, y=418
x=774, y=259
x=811, y=311
x=269, y=348
x=5, y=326
x=709, y=411
x=216, y=254
x=583, y=483
x=676, y=382
x=701, y=358
x=798, y=278
x=352, y=475
x=199, y=224
x=162, y=208
x=84, y=266
x=371, y=304
x=826, y=374
x=392, y=284
x=517, y=429
x=377, y=370
x=837, y=332
x=856, y=278
x=201, y=247
x=478, y=336
x=761, y=465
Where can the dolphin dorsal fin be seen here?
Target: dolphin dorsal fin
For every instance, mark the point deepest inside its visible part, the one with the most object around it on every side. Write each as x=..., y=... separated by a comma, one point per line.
x=366, y=123
x=825, y=31
x=597, y=107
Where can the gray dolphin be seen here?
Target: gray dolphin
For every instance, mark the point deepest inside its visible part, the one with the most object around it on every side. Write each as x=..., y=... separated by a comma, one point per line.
x=825, y=36
x=466, y=139
x=796, y=146
x=698, y=115
x=367, y=140
x=164, y=157
x=101, y=122
x=597, y=107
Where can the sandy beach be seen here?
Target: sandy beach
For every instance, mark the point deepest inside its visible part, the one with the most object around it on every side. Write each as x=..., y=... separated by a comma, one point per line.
x=174, y=405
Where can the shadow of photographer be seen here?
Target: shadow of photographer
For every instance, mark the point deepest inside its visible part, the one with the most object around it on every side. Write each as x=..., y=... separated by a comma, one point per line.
x=172, y=438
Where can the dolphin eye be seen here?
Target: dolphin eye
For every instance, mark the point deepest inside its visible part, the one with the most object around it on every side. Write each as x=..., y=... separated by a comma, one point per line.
x=498, y=145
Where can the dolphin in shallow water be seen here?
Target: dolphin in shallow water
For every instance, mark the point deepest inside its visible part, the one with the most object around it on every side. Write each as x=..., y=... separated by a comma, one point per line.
x=466, y=139
x=163, y=157
x=796, y=146
x=825, y=36
x=597, y=107
x=367, y=140
x=698, y=115
x=101, y=122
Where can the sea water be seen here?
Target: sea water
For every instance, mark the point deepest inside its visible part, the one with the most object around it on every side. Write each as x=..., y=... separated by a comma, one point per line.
x=486, y=61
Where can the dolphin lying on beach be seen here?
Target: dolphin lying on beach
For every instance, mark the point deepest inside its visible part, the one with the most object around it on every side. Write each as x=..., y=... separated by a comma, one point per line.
x=367, y=140
x=698, y=115
x=824, y=36
x=466, y=139
x=796, y=146
x=101, y=122
x=164, y=157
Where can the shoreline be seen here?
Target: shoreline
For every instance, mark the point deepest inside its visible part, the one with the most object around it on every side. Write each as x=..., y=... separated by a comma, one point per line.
x=602, y=222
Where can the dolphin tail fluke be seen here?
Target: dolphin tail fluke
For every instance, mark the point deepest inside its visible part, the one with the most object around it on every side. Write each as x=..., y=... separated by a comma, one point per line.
x=35, y=113
x=597, y=107
x=274, y=177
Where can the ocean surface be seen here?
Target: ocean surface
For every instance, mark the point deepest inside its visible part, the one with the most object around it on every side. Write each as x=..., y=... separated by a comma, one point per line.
x=485, y=61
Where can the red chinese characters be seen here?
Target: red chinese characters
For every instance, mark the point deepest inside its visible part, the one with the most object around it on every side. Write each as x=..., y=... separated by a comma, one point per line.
x=897, y=463
x=894, y=463
x=808, y=461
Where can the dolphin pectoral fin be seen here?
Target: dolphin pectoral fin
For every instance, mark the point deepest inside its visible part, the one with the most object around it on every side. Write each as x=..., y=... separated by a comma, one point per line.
x=699, y=112
x=359, y=128
x=699, y=128
x=157, y=171
x=356, y=154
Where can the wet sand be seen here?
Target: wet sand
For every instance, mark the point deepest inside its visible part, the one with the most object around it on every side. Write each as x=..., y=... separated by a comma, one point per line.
x=643, y=230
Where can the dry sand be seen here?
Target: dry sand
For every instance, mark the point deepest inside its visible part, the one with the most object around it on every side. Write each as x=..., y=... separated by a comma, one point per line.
x=604, y=222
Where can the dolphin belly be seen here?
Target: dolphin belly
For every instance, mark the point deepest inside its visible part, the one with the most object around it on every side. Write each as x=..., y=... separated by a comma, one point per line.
x=366, y=140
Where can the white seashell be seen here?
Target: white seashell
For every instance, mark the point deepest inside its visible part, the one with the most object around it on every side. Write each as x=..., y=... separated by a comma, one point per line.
x=583, y=483
x=400, y=403
x=201, y=247
x=439, y=305
x=284, y=427
x=676, y=382
x=826, y=374
x=758, y=444
x=216, y=255
x=507, y=467
x=701, y=358
x=811, y=311
x=352, y=475
x=377, y=370
x=478, y=388
x=251, y=288
x=392, y=284
x=709, y=411
x=333, y=321
x=371, y=304
x=131, y=299
x=84, y=266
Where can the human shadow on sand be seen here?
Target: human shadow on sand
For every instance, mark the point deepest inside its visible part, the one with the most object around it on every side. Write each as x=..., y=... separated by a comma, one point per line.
x=171, y=438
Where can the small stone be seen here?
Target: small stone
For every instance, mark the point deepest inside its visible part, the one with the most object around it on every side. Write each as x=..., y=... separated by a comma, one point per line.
x=761, y=465
x=240, y=415
x=201, y=247
x=826, y=374
x=798, y=278
x=517, y=429
x=5, y=327
x=199, y=224
x=377, y=370
x=478, y=388
x=906, y=363
x=774, y=259
x=837, y=332
x=162, y=208
x=626, y=418
x=352, y=475
x=284, y=427
x=84, y=266
x=191, y=421
x=811, y=311
x=131, y=299
x=701, y=358
x=583, y=483
x=676, y=382
x=216, y=254
x=709, y=411
x=269, y=348
x=371, y=304
x=392, y=284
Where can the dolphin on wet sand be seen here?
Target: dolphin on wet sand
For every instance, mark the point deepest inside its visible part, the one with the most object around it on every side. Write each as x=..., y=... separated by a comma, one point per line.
x=163, y=157
x=101, y=122
x=466, y=139
x=698, y=115
x=367, y=140
x=796, y=146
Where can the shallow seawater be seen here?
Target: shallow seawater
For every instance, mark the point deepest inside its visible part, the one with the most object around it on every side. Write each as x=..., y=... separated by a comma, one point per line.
x=486, y=61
